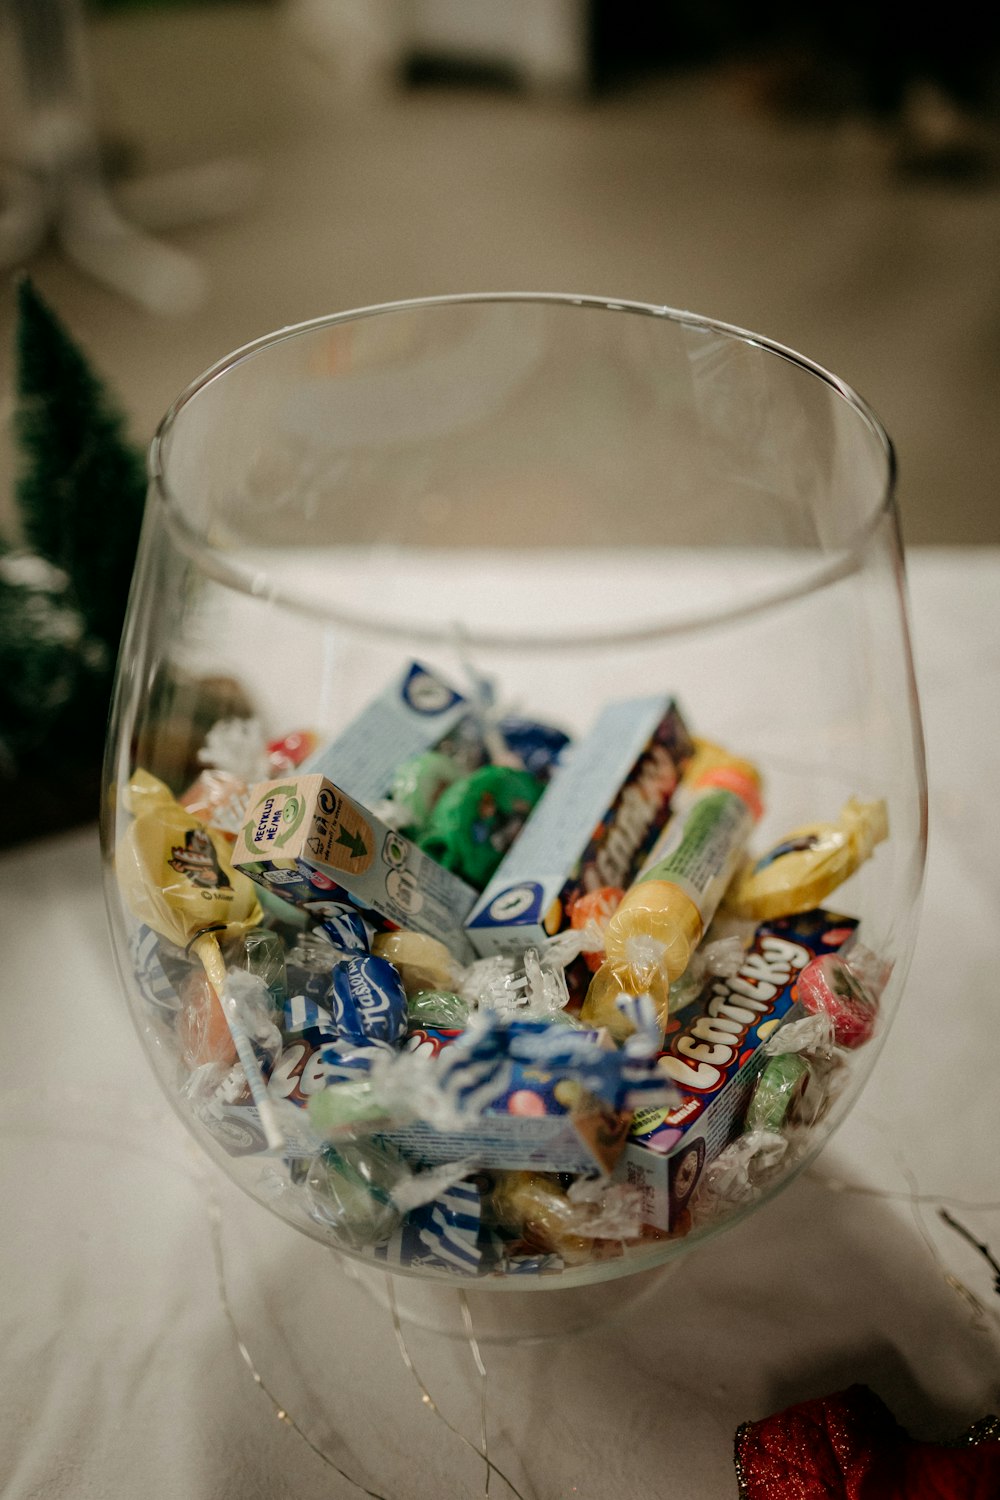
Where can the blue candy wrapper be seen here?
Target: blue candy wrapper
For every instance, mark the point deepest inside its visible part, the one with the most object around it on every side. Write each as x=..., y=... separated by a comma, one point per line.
x=441, y=1235
x=345, y=927
x=302, y=1017
x=150, y=975
x=367, y=1000
x=513, y=1094
x=539, y=746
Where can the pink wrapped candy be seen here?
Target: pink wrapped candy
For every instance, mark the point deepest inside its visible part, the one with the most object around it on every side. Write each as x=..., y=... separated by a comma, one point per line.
x=828, y=986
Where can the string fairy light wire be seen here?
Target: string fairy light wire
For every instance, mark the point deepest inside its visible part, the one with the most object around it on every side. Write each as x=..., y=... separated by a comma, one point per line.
x=16, y=1110
x=283, y=1415
x=280, y=1411
x=428, y=1399
x=917, y=1200
x=481, y=1370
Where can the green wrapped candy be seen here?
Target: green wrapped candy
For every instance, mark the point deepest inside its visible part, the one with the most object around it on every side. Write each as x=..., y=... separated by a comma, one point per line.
x=780, y=1085
x=349, y=1191
x=437, y=1008
x=418, y=783
x=343, y=1104
x=476, y=820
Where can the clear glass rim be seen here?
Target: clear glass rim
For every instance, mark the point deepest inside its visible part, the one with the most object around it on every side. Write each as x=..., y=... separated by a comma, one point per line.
x=197, y=544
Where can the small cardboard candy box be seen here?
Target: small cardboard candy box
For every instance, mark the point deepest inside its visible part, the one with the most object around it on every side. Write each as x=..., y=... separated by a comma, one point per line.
x=308, y=842
x=593, y=827
x=534, y=1123
x=561, y=1142
x=416, y=711
x=714, y=1053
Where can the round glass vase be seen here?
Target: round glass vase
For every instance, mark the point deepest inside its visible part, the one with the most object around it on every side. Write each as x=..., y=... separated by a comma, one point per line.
x=520, y=505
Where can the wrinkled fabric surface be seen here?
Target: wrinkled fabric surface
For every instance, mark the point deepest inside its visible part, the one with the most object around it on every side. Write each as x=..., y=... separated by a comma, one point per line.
x=120, y=1375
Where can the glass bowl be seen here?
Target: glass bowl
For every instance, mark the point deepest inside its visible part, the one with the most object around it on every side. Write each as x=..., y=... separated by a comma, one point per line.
x=452, y=620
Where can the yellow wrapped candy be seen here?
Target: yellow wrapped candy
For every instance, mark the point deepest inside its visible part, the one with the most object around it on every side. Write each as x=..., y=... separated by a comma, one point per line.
x=176, y=876
x=422, y=962
x=800, y=871
x=660, y=921
x=662, y=916
x=175, y=873
x=600, y=1008
x=535, y=1206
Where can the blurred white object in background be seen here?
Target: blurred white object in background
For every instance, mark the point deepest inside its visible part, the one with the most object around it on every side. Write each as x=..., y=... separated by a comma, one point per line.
x=52, y=180
x=542, y=43
x=359, y=40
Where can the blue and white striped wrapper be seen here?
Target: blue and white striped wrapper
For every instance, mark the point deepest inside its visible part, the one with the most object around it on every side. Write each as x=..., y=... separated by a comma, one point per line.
x=640, y=1010
x=442, y=1234
x=349, y=1062
x=440, y=1108
x=474, y=1070
x=150, y=976
x=344, y=1060
x=449, y=1228
x=644, y=1085
x=303, y=1017
x=479, y=1067
x=345, y=927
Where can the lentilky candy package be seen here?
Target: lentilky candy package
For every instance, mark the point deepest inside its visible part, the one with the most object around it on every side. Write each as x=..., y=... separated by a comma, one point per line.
x=452, y=1027
x=713, y=1053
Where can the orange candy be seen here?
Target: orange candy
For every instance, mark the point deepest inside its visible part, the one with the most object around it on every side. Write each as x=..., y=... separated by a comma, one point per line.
x=202, y=1029
x=595, y=906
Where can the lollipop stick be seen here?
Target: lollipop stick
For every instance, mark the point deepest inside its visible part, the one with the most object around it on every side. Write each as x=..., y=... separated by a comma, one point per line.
x=207, y=949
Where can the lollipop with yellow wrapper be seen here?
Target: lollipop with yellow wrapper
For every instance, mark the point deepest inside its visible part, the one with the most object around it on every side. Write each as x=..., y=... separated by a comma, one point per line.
x=175, y=875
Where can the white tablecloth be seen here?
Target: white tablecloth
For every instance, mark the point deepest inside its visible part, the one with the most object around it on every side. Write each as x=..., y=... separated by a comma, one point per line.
x=122, y=1376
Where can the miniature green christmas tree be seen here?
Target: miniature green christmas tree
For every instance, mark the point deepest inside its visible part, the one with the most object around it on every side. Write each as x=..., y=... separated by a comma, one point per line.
x=64, y=581
x=82, y=486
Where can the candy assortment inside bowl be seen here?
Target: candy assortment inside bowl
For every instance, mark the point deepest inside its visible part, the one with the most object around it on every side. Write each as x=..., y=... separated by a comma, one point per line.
x=557, y=1025
x=514, y=815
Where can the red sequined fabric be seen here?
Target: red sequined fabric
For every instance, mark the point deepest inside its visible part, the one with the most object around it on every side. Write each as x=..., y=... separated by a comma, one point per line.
x=850, y=1447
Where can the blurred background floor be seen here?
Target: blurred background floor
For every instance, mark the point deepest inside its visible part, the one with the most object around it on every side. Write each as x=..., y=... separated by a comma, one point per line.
x=676, y=187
